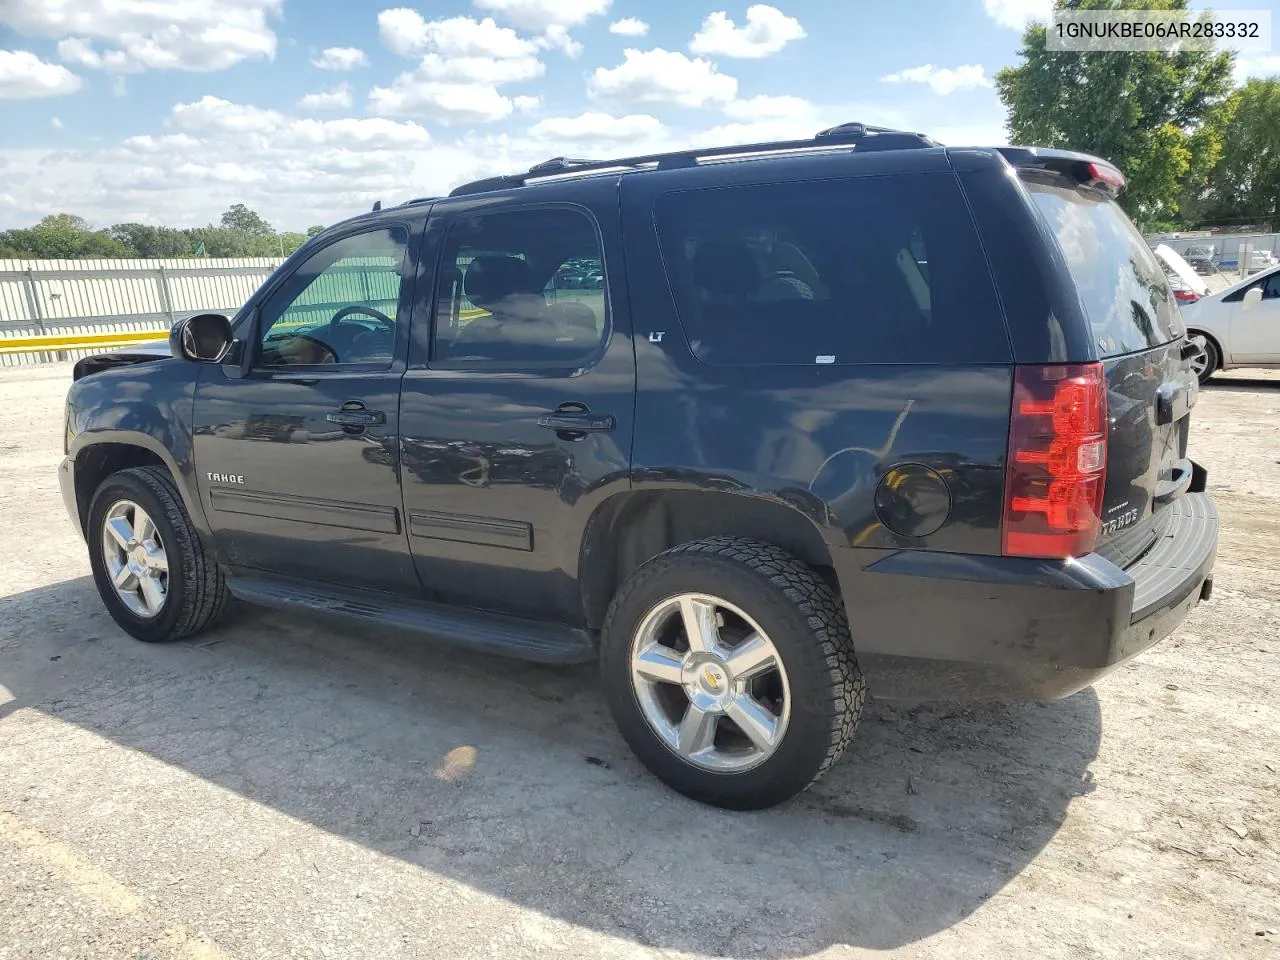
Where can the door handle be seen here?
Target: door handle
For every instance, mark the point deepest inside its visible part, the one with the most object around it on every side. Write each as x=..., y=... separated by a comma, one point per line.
x=578, y=421
x=353, y=414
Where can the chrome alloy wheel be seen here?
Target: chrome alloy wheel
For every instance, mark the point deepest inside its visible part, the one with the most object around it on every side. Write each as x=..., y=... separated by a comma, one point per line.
x=710, y=683
x=135, y=559
x=1199, y=359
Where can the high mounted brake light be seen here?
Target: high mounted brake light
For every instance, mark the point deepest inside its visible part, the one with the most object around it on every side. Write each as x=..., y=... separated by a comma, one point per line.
x=1056, y=469
x=1083, y=169
x=1106, y=176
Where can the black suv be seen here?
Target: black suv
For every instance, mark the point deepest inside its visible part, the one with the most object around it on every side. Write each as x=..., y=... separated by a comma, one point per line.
x=759, y=428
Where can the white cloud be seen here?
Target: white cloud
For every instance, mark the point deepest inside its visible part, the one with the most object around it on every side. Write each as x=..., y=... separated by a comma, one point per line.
x=223, y=116
x=480, y=69
x=557, y=38
x=525, y=104
x=766, y=31
x=196, y=35
x=118, y=86
x=25, y=76
x=55, y=123
x=262, y=128
x=1016, y=14
x=765, y=107
x=942, y=80
x=662, y=77
x=629, y=27
x=410, y=95
x=538, y=15
x=340, y=58
x=1247, y=66
x=407, y=33
x=589, y=128
x=464, y=61
x=757, y=131
x=335, y=98
x=79, y=51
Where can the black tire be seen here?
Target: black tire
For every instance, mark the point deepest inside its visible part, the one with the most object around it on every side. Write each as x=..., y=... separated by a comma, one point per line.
x=1212, y=356
x=807, y=625
x=197, y=591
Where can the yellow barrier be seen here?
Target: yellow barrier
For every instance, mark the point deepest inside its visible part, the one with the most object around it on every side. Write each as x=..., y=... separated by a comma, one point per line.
x=79, y=341
x=44, y=343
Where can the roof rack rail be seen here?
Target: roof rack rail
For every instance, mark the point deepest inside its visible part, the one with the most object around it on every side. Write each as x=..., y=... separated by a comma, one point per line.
x=859, y=135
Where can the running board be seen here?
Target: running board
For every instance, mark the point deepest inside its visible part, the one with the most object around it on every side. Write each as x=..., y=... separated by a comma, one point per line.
x=521, y=639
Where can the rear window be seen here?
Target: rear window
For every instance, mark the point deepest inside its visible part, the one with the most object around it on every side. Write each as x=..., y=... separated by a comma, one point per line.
x=866, y=270
x=1120, y=282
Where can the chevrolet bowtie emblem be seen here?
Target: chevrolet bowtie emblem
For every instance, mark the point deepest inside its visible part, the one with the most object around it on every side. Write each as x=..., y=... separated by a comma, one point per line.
x=712, y=680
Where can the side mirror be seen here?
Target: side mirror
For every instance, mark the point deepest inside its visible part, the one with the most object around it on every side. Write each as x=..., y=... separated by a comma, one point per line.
x=1251, y=298
x=203, y=338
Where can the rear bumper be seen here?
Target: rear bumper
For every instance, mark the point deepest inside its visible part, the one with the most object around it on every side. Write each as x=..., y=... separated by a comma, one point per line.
x=961, y=627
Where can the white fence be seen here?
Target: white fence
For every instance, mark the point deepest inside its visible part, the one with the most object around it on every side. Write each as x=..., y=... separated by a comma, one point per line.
x=81, y=298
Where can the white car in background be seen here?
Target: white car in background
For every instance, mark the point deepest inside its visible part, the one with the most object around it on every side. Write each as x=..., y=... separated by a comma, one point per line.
x=1239, y=327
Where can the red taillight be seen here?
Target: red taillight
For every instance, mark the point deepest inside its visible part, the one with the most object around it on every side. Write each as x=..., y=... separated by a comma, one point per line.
x=1057, y=460
x=1186, y=296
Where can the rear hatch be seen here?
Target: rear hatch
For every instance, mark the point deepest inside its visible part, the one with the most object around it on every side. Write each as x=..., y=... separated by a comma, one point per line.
x=1139, y=336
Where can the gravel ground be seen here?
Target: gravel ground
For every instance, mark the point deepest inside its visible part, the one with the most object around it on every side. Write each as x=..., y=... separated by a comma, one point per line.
x=286, y=788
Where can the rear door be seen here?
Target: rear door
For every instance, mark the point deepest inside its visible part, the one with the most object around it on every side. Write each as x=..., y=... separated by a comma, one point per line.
x=516, y=413
x=1138, y=334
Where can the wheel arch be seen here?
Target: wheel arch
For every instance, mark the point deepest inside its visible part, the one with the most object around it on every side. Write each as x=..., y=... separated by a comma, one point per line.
x=630, y=528
x=97, y=455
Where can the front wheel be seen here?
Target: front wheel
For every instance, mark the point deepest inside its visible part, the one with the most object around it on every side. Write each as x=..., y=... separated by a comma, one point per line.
x=729, y=669
x=157, y=579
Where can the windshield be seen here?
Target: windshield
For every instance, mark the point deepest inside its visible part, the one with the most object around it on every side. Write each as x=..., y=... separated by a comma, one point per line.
x=1120, y=282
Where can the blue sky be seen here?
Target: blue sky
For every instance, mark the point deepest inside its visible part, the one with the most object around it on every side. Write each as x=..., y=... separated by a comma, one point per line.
x=307, y=110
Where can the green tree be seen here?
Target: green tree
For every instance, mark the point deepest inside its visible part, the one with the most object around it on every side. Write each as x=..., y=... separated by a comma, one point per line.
x=291, y=241
x=312, y=231
x=148, y=241
x=239, y=217
x=1244, y=185
x=1145, y=112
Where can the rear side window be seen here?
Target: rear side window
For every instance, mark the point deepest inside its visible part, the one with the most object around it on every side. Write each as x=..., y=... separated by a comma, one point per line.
x=1121, y=284
x=521, y=287
x=866, y=270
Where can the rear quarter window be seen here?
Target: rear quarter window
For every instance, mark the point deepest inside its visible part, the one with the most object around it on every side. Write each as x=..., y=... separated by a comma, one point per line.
x=1122, y=287
x=858, y=270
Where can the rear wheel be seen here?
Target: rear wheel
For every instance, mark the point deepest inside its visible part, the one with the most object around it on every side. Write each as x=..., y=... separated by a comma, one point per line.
x=1206, y=360
x=155, y=576
x=729, y=669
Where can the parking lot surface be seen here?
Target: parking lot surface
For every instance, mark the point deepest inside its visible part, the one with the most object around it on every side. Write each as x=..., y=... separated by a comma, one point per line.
x=283, y=787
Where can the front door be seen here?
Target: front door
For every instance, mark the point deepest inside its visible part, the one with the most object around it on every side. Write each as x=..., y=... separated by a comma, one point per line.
x=516, y=420
x=1255, y=327
x=298, y=460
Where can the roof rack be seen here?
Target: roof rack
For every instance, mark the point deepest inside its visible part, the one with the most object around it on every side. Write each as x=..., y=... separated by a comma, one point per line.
x=859, y=135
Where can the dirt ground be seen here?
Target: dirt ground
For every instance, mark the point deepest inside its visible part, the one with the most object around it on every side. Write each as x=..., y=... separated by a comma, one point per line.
x=286, y=788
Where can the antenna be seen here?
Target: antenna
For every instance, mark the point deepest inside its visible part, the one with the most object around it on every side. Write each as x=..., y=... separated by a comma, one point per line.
x=377, y=205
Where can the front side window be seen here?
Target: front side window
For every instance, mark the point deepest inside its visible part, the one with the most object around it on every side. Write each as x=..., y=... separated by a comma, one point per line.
x=521, y=287
x=339, y=306
x=865, y=270
x=1271, y=287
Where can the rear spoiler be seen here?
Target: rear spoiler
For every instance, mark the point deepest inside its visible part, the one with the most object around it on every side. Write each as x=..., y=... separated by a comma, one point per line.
x=1086, y=170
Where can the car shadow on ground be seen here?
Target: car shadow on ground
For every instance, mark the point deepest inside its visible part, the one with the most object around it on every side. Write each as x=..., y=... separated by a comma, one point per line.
x=511, y=779
x=1240, y=384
